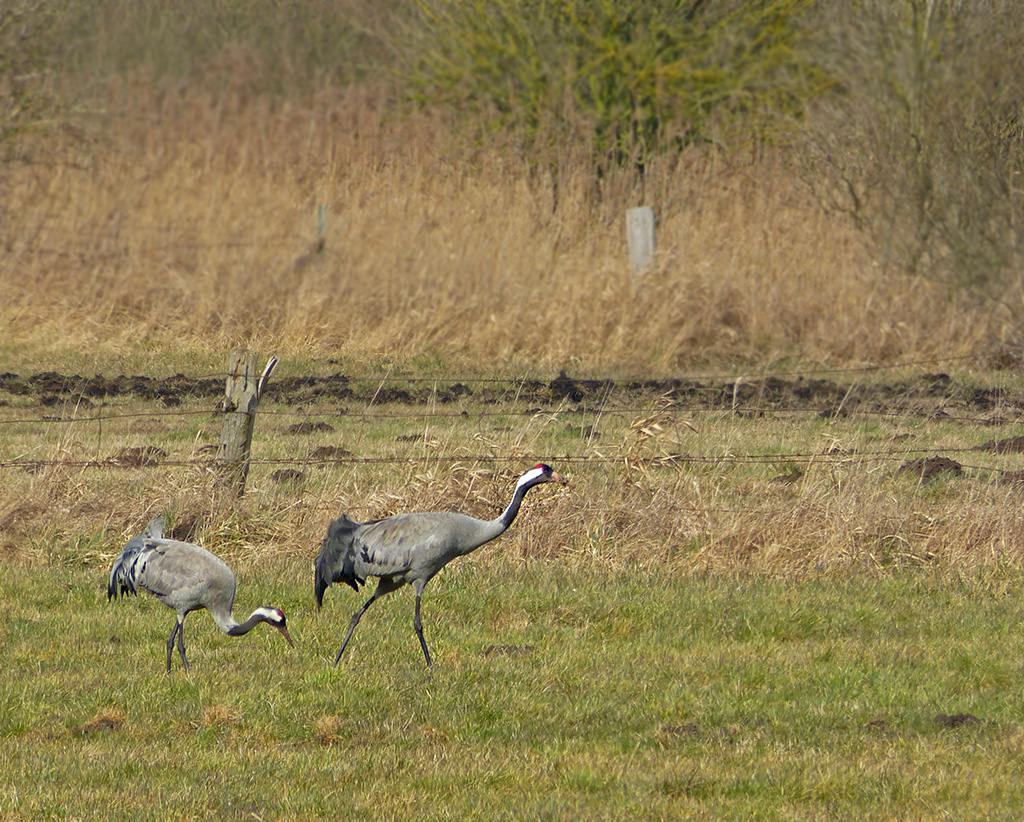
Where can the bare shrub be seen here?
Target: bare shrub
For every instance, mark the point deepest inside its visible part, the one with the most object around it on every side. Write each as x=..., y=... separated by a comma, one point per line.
x=920, y=141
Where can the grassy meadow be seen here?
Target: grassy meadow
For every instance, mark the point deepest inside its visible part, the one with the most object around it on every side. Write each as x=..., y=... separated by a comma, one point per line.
x=640, y=695
x=727, y=614
x=763, y=594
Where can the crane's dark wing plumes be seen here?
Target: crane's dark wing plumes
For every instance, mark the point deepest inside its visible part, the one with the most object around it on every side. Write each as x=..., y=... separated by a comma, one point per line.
x=123, y=574
x=337, y=558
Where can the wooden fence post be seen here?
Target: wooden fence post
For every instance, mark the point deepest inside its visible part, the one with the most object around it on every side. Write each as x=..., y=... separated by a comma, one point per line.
x=640, y=237
x=241, y=397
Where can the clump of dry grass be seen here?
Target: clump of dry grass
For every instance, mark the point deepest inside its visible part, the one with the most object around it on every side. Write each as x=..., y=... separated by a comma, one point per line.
x=105, y=720
x=326, y=730
x=221, y=716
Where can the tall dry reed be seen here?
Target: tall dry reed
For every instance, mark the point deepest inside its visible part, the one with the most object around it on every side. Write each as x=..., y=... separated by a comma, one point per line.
x=191, y=224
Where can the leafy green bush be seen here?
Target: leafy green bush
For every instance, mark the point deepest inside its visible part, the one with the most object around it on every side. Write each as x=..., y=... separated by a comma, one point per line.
x=626, y=78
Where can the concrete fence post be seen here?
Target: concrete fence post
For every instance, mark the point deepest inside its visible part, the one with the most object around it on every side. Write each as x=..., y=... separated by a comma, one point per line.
x=640, y=241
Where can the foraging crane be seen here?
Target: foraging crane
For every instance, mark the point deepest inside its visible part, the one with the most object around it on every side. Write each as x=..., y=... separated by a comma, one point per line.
x=186, y=578
x=408, y=549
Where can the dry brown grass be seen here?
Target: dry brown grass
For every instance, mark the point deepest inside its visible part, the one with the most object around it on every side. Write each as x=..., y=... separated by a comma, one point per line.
x=107, y=719
x=191, y=226
x=668, y=487
x=221, y=716
x=184, y=223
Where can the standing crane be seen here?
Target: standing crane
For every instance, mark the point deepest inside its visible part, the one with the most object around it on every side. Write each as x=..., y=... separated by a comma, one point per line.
x=186, y=578
x=409, y=549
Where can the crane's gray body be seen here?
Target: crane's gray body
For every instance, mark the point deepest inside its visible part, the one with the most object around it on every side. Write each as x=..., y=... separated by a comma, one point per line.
x=404, y=549
x=185, y=578
x=408, y=549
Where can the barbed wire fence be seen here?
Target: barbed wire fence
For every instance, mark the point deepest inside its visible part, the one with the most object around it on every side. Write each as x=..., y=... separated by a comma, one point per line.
x=77, y=395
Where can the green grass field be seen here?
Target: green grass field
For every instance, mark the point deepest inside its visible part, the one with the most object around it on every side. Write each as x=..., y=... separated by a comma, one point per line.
x=703, y=624
x=557, y=694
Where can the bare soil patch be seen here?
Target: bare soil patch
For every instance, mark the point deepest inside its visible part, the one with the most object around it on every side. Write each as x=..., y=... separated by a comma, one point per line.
x=926, y=395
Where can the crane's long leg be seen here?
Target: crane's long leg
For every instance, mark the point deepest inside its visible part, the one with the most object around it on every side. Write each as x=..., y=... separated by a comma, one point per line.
x=352, y=626
x=170, y=644
x=179, y=632
x=417, y=623
x=385, y=586
x=181, y=644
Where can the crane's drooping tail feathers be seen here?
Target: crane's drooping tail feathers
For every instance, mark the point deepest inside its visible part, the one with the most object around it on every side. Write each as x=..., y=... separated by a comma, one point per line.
x=336, y=561
x=122, y=575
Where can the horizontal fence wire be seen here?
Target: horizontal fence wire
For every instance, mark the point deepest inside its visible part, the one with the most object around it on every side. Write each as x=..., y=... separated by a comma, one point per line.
x=901, y=457
x=88, y=414
x=746, y=411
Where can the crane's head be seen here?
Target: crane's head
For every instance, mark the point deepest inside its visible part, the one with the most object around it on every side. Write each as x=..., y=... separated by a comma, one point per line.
x=275, y=617
x=538, y=474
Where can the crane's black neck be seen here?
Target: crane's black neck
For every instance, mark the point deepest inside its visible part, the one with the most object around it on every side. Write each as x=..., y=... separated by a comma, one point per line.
x=259, y=615
x=509, y=515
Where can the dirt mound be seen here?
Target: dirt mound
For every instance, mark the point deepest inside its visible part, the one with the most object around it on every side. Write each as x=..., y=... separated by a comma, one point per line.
x=927, y=395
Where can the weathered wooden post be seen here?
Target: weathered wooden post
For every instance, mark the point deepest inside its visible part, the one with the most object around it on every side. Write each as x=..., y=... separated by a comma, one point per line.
x=640, y=237
x=241, y=396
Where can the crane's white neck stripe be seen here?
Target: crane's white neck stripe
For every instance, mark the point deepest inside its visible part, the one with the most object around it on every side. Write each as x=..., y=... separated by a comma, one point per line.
x=530, y=476
x=269, y=614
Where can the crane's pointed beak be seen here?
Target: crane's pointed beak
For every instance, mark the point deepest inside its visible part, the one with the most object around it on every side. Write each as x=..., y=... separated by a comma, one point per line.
x=284, y=632
x=556, y=477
